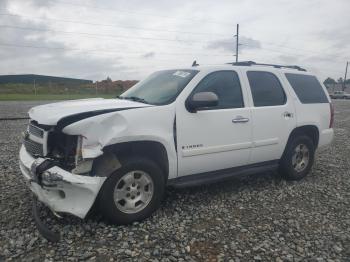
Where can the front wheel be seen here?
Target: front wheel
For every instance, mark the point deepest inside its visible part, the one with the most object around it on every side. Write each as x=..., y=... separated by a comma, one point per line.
x=298, y=158
x=133, y=192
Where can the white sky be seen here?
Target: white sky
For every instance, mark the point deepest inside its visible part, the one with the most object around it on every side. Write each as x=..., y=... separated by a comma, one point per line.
x=130, y=39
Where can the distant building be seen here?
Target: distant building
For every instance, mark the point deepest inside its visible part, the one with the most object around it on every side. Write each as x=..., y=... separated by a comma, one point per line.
x=120, y=85
x=41, y=79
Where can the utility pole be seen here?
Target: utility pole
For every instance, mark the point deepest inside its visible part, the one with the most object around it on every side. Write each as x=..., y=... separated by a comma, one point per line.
x=237, y=42
x=346, y=72
x=34, y=88
x=96, y=88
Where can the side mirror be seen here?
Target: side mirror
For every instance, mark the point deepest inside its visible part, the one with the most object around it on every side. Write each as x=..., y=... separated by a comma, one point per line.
x=202, y=100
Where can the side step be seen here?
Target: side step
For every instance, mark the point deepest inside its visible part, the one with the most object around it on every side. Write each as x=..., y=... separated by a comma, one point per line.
x=224, y=174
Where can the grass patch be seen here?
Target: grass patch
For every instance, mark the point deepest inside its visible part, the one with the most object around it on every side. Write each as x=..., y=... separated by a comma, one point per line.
x=32, y=97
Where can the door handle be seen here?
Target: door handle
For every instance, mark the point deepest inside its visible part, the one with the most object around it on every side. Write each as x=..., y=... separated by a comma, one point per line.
x=288, y=114
x=240, y=119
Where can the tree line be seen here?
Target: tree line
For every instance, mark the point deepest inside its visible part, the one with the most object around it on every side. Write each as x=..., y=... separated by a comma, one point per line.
x=331, y=81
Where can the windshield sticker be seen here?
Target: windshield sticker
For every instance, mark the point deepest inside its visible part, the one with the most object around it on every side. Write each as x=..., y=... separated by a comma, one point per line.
x=181, y=74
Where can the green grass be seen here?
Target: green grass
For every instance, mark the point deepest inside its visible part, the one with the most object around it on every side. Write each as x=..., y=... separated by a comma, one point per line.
x=32, y=97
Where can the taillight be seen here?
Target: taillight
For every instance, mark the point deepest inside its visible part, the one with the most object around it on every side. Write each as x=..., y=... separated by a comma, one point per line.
x=331, y=122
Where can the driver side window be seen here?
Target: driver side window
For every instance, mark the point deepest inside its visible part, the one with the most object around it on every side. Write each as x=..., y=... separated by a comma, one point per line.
x=226, y=85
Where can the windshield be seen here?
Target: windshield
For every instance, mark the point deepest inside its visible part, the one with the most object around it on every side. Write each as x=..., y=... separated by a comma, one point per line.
x=161, y=87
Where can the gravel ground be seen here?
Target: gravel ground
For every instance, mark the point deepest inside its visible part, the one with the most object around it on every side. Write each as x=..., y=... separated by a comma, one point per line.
x=260, y=217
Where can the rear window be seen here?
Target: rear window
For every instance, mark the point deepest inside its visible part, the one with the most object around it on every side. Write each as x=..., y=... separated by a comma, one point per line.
x=307, y=88
x=266, y=89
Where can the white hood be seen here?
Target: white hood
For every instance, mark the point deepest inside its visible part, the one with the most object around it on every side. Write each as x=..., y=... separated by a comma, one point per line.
x=50, y=114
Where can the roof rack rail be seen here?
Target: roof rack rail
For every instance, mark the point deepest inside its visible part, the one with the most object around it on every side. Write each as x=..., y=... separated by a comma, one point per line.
x=250, y=63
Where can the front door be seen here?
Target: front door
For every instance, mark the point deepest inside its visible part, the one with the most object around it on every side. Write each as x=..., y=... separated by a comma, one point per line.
x=214, y=138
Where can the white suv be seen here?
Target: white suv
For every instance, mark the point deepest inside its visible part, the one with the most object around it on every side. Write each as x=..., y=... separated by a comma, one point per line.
x=180, y=127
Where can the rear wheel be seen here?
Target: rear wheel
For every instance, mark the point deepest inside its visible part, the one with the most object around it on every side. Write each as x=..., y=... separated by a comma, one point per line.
x=133, y=192
x=298, y=158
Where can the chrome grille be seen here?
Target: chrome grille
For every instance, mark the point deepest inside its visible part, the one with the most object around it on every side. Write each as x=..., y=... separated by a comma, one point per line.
x=35, y=139
x=33, y=148
x=36, y=131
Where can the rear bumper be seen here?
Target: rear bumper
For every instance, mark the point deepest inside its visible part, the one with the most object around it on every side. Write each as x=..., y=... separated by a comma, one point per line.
x=60, y=190
x=326, y=137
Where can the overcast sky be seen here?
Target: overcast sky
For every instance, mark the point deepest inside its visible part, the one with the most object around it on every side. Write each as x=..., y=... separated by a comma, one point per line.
x=130, y=39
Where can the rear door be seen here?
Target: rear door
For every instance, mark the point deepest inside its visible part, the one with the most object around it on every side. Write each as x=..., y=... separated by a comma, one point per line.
x=273, y=115
x=312, y=102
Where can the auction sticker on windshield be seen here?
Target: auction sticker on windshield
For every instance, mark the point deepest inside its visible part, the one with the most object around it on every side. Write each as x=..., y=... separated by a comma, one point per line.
x=181, y=74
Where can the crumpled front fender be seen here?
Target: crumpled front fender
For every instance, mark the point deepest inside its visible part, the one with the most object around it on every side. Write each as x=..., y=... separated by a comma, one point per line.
x=97, y=133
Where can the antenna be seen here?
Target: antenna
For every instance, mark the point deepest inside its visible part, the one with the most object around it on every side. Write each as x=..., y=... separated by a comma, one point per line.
x=195, y=63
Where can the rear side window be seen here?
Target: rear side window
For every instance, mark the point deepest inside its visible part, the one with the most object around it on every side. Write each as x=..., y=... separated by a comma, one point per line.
x=226, y=85
x=307, y=88
x=266, y=89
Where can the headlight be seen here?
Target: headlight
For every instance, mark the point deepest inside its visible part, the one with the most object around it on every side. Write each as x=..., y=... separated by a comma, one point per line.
x=51, y=177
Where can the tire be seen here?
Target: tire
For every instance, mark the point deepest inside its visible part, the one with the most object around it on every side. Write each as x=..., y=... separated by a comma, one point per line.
x=291, y=165
x=120, y=196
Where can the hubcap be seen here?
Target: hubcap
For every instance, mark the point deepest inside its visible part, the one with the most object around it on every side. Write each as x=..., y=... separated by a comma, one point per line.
x=300, y=158
x=133, y=192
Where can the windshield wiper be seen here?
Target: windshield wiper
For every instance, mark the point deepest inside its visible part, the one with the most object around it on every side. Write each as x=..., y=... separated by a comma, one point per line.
x=133, y=98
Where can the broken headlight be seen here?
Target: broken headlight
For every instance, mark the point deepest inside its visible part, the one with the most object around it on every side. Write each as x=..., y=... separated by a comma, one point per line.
x=62, y=147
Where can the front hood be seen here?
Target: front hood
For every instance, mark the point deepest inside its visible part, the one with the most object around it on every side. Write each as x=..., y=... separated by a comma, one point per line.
x=50, y=114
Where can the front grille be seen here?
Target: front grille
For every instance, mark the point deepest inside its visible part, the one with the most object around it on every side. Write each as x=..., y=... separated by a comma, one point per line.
x=33, y=148
x=36, y=131
x=35, y=139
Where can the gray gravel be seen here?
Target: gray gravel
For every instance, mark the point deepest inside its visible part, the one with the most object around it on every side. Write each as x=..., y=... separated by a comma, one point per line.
x=261, y=218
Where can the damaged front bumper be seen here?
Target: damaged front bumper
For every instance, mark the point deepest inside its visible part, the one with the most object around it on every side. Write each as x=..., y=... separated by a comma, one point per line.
x=59, y=189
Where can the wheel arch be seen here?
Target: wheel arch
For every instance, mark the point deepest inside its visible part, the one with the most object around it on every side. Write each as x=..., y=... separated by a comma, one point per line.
x=114, y=155
x=308, y=130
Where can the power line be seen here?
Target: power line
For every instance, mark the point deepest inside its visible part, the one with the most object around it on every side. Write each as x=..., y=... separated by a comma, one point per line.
x=109, y=51
x=108, y=25
x=100, y=35
x=290, y=54
x=128, y=52
x=295, y=49
x=281, y=52
x=102, y=51
x=95, y=7
x=180, y=46
x=147, y=29
x=130, y=37
x=113, y=51
x=138, y=28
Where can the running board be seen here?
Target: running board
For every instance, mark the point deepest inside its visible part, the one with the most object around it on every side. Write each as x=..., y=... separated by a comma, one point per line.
x=224, y=174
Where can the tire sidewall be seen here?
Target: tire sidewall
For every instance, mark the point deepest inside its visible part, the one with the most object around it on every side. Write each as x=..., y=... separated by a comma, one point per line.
x=287, y=169
x=106, y=198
